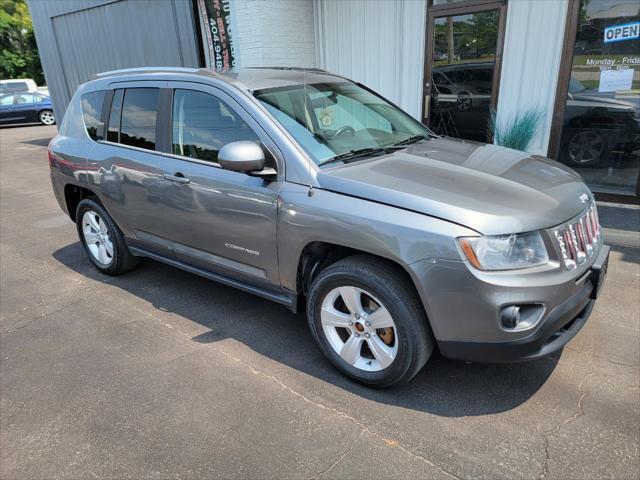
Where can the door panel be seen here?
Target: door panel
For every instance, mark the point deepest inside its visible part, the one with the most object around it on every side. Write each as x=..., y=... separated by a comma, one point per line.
x=126, y=181
x=24, y=108
x=216, y=219
x=221, y=221
x=124, y=169
x=5, y=113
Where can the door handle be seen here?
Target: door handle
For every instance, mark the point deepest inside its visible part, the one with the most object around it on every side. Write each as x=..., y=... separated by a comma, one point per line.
x=177, y=177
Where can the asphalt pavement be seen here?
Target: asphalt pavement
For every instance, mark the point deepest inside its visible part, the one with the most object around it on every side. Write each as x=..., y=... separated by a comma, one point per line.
x=161, y=374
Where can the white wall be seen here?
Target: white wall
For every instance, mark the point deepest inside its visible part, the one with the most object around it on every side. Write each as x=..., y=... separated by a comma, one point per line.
x=377, y=42
x=531, y=61
x=273, y=33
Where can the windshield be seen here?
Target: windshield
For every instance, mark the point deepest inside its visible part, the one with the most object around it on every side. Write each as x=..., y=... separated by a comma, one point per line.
x=575, y=86
x=331, y=119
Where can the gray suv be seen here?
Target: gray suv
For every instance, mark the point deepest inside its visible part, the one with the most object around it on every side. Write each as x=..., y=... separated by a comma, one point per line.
x=313, y=191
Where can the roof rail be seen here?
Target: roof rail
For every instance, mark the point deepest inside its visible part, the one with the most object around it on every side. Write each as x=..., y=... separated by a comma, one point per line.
x=296, y=69
x=125, y=71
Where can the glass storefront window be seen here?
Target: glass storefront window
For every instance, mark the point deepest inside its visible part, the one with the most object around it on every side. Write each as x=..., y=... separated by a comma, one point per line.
x=601, y=128
x=463, y=63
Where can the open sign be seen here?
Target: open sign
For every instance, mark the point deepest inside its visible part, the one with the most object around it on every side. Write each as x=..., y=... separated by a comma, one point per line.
x=619, y=33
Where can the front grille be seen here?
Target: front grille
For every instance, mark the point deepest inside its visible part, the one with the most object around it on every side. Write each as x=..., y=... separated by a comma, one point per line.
x=578, y=240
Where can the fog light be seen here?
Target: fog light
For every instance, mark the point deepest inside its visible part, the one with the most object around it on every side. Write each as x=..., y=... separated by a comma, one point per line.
x=521, y=317
x=510, y=317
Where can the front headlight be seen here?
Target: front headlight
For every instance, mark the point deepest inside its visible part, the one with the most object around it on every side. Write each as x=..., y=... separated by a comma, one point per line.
x=505, y=252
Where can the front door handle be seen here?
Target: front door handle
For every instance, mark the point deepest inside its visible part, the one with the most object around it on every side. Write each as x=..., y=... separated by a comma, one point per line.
x=176, y=177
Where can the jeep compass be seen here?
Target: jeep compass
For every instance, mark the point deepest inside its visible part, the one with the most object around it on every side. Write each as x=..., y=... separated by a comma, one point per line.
x=314, y=191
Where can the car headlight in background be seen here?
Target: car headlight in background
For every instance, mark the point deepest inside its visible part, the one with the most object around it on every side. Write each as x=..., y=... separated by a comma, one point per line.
x=505, y=252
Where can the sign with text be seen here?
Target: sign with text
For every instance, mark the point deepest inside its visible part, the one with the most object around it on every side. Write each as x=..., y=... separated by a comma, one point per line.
x=620, y=33
x=217, y=42
x=615, y=80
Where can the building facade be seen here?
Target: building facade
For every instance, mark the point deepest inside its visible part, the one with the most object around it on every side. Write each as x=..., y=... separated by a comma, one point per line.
x=571, y=68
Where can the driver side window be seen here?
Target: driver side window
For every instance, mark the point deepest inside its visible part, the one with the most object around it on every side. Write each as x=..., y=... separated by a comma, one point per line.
x=202, y=124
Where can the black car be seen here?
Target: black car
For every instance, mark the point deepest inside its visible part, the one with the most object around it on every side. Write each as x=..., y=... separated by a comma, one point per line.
x=596, y=124
x=26, y=107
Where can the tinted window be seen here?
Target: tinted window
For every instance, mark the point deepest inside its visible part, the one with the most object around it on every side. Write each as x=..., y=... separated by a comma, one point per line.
x=113, y=133
x=139, y=112
x=91, y=111
x=202, y=124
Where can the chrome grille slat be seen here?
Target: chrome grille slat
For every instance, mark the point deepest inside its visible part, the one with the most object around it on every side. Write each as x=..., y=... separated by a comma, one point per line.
x=577, y=239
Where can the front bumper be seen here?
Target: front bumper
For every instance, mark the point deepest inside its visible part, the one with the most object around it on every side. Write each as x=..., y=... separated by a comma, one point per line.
x=558, y=328
x=474, y=333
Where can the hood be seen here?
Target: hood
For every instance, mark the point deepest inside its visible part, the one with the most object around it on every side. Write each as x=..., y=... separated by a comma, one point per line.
x=603, y=100
x=491, y=189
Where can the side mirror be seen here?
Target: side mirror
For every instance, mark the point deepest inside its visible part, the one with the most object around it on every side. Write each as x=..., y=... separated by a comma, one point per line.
x=245, y=156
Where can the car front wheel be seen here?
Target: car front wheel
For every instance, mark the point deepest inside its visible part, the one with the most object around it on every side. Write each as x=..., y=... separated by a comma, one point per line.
x=368, y=321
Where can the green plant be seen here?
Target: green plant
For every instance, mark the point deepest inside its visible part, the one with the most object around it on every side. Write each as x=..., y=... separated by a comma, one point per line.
x=18, y=50
x=516, y=131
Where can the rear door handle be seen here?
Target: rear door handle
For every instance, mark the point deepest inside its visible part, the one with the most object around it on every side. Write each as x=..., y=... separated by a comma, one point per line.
x=177, y=177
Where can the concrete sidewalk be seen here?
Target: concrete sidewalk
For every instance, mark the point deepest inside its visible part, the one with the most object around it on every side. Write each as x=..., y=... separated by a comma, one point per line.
x=162, y=374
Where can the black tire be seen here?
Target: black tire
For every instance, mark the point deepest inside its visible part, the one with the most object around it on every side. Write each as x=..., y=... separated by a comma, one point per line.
x=122, y=260
x=390, y=285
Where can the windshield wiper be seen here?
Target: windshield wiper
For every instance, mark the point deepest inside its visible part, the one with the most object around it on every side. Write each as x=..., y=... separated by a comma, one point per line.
x=411, y=139
x=360, y=152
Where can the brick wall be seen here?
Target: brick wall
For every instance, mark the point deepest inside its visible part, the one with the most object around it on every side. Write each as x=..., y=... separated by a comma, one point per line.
x=273, y=33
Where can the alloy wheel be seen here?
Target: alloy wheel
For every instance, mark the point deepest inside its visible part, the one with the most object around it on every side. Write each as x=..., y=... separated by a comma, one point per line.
x=47, y=117
x=359, y=328
x=97, y=237
x=586, y=147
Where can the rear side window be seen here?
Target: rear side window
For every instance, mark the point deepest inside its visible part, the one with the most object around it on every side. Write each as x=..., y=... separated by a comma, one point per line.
x=139, y=114
x=91, y=110
x=203, y=124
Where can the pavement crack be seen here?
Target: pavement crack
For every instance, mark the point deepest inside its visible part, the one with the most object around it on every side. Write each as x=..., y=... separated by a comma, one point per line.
x=5, y=316
x=365, y=429
x=602, y=357
x=42, y=316
x=163, y=323
x=343, y=456
x=579, y=412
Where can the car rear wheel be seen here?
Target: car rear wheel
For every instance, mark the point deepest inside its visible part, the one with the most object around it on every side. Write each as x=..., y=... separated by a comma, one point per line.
x=46, y=117
x=102, y=239
x=368, y=321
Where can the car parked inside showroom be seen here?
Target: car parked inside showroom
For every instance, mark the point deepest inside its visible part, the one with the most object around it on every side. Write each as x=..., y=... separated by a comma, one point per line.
x=313, y=191
x=596, y=124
